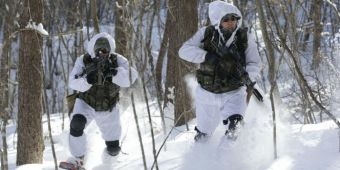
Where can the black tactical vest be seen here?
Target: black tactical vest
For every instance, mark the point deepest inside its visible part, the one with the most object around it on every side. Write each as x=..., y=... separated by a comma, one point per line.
x=219, y=75
x=105, y=96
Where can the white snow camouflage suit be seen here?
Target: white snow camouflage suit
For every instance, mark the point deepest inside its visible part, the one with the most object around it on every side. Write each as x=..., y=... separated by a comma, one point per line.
x=107, y=121
x=211, y=107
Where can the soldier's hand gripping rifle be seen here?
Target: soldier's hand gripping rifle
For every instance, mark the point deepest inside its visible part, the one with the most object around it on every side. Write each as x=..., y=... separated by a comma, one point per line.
x=232, y=51
x=98, y=64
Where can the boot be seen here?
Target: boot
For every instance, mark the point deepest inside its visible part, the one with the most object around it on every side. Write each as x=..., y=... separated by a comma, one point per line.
x=112, y=147
x=234, y=125
x=200, y=136
x=113, y=151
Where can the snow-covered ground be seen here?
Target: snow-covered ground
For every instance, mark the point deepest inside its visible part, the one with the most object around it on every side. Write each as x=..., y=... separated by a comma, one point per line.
x=300, y=147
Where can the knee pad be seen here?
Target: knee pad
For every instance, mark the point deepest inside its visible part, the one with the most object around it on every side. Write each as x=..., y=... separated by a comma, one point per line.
x=77, y=125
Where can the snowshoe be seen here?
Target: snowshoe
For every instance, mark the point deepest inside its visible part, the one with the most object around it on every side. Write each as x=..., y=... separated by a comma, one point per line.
x=70, y=166
x=73, y=164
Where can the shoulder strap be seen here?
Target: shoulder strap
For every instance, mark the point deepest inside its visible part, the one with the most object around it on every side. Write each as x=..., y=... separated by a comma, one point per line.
x=208, y=33
x=211, y=35
x=113, y=59
x=242, y=34
x=242, y=43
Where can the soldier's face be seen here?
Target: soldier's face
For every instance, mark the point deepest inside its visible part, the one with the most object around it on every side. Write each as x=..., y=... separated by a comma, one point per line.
x=102, y=52
x=229, y=23
x=102, y=47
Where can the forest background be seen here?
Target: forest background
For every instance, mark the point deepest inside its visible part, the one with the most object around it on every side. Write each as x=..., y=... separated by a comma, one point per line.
x=298, y=41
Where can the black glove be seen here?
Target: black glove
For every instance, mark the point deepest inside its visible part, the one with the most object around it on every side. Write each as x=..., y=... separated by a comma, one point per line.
x=92, y=77
x=110, y=71
x=245, y=75
x=113, y=71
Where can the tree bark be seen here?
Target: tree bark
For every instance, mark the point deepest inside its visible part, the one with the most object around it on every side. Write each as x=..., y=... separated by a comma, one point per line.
x=120, y=27
x=30, y=137
x=316, y=15
x=272, y=66
x=93, y=9
x=4, y=77
x=182, y=29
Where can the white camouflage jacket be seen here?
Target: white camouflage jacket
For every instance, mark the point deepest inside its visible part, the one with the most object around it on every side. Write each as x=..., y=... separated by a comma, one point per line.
x=192, y=50
x=122, y=78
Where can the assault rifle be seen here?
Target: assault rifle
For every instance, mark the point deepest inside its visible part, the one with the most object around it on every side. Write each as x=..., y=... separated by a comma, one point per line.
x=99, y=64
x=232, y=50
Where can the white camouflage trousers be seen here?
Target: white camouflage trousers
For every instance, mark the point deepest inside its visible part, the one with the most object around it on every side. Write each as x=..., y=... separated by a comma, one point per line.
x=107, y=122
x=212, y=108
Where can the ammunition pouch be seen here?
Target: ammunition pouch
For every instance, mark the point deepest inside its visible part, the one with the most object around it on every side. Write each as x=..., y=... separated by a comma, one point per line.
x=219, y=74
x=101, y=97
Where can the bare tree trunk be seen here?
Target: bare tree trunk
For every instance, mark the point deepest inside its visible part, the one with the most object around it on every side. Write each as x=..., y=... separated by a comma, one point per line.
x=4, y=83
x=120, y=27
x=4, y=154
x=316, y=14
x=272, y=71
x=93, y=8
x=170, y=67
x=183, y=29
x=30, y=137
x=160, y=61
x=88, y=16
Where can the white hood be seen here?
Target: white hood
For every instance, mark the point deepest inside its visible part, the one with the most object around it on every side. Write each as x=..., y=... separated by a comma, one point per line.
x=91, y=43
x=218, y=9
